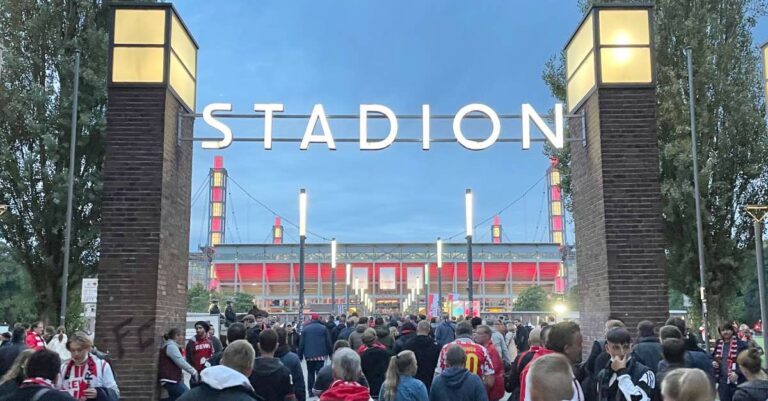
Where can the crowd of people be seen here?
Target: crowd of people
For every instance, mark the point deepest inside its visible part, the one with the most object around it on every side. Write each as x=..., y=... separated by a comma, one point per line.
x=394, y=358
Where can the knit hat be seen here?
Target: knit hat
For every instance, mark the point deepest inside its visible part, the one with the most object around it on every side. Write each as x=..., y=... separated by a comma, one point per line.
x=407, y=327
x=369, y=336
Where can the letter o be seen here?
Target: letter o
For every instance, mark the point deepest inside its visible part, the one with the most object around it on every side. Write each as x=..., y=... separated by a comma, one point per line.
x=495, y=124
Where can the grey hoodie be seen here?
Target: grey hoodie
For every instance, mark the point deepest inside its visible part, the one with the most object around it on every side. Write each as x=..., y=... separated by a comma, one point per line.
x=356, y=337
x=457, y=384
x=754, y=390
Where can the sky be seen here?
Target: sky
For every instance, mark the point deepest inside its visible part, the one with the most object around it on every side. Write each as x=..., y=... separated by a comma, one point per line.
x=401, y=54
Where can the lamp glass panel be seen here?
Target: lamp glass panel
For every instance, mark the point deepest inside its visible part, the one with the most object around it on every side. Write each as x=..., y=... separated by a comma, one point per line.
x=215, y=238
x=137, y=64
x=557, y=208
x=555, y=177
x=624, y=27
x=182, y=82
x=557, y=237
x=217, y=178
x=582, y=81
x=183, y=46
x=139, y=27
x=216, y=209
x=625, y=65
x=580, y=46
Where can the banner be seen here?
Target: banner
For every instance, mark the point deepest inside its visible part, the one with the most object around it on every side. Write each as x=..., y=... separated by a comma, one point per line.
x=415, y=275
x=433, y=308
x=387, y=278
x=360, y=275
x=90, y=291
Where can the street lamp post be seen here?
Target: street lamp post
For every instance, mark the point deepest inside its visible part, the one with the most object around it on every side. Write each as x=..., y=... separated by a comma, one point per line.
x=348, y=281
x=759, y=214
x=302, y=240
x=469, y=211
x=440, y=275
x=333, y=274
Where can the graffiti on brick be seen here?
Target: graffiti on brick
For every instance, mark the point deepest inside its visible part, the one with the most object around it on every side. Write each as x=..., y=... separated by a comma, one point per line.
x=122, y=333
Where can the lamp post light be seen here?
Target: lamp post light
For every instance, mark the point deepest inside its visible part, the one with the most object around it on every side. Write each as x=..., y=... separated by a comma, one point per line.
x=759, y=214
x=333, y=274
x=440, y=275
x=348, y=280
x=469, y=209
x=302, y=240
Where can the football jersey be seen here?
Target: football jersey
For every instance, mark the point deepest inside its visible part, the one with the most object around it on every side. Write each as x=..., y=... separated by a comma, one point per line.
x=478, y=359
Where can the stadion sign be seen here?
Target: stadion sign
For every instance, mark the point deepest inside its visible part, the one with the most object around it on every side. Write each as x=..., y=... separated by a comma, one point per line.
x=318, y=115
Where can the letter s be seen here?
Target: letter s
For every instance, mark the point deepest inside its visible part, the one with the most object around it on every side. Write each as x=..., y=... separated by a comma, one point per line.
x=216, y=124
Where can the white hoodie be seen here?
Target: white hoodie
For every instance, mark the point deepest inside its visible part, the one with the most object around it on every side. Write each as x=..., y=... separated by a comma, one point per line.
x=59, y=347
x=220, y=377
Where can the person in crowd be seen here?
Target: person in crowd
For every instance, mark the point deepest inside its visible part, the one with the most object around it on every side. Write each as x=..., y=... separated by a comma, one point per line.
x=35, y=336
x=478, y=361
x=400, y=385
x=673, y=351
x=348, y=329
x=498, y=330
x=252, y=331
x=598, y=358
x=687, y=385
x=522, y=333
x=293, y=363
x=456, y=383
x=215, y=341
x=5, y=338
x=13, y=378
x=727, y=373
x=445, y=331
x=407, y=333
x=692, y=358
x=229, y=314
x=346, y=370
x=325, y=375
x=625, y=378
x=58, y=344
x=236, y=331
x=384, y=334
x=551, y=378
x=745, y=335
x=199, y=349
x=512, y=377
x=85, y=374
x=356, y=337
x=42, y=374
x=171, y=364
x=291, y=338
x=342, y=324
x=756, y=386
x=509, y=338
x=270, y=379
x=374, y=360
x=483, y=335
x=8, y=353
x=48, y=335
x=563, y=338
x=647, y=349
x=695, y=357
x=315, y=347
x=228, y=381
x=213, y=308
x=427, y=351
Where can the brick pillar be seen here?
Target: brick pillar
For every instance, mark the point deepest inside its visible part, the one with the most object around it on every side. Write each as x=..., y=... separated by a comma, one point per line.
x=145, y=233
x=617, y=211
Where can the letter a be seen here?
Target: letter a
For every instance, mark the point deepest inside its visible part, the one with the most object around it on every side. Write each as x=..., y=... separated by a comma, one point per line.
x=318, y=113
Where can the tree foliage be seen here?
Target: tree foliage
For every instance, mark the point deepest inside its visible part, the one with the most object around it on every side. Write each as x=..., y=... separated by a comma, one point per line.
x=731, y=137
x=533, y=298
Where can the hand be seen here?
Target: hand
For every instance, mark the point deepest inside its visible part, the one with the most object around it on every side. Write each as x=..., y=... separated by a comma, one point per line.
x=733, y=377
x=618, y=363
x=90, y=393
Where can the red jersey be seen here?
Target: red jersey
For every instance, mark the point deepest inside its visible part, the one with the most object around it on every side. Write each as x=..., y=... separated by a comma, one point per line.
x=34, y=341
x=496, y=392
x=478, y=360
x=199, y=351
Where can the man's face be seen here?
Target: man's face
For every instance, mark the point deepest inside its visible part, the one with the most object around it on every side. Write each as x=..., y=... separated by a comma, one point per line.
x=212, y=332
x=726, y=334
x=200, y=330
x=39, y=329
x=573, y=350
x=289, y=328
x=501, y=327
x=79, y=352
x=482, y=337
x=617, y=349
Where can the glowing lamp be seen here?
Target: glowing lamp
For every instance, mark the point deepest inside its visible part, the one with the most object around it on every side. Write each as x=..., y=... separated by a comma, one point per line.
x=303, y=213
x=469, y=209
x=150, y=45
x=349, y=270
x=333, y=253
x=439, y=253
x=612, y=47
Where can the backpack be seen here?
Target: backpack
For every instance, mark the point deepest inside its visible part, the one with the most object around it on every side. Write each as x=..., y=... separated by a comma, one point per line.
x=512, y=376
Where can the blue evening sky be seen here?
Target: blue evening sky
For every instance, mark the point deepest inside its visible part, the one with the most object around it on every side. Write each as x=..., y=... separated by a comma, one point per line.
x=397, y=53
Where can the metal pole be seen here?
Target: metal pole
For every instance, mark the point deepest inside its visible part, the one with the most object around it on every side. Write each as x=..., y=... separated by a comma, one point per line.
x=469, y=277
x=761, y=279
x=302, y=239
x=697, y=198
x=70, y=188
x=333, y=289
x=440, y=290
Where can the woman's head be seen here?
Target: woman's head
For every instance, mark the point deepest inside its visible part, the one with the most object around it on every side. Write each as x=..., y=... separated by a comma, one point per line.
x=726, y=331
x=749, y=361
x=16, y=372
x=687, y=385
x=174, y=334
x=346, y=365
x=80, y=346
x=402, y=364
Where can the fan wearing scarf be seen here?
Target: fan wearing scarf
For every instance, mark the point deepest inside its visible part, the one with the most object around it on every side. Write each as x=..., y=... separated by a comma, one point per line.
x=727, y=373
x=86, y=376
x=199, y=349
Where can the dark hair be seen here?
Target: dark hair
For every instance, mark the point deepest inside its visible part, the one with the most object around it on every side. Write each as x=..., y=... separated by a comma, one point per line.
x=476, y=321
x=340, y=344
x=673, y=350
x=18, y=334
x=268, y=340
x=562, y=335
x=677, y=322
x=203, y=324
x=171, y=334
x=645, y=328
x=379, y=321
x=727, y=326
x=455, y=356
x=362, y=320
x=618, y=335
x=282, y=335
x=236, y=331
x=43, y=363
x=749, y=360
x=544, y=333
x=464, y=327
x=670, y=331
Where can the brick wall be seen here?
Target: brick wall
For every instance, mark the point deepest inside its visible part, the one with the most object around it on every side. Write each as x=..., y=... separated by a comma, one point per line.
x=144, y=235
x=617, y=212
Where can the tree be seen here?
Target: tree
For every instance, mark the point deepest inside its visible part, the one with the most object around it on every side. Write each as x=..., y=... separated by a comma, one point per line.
x=198, y=299
x=17, y=306
x=533, y=298
x=732, y=137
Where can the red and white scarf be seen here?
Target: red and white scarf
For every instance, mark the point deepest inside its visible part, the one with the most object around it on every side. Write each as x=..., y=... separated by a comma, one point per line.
x=87, y=370
x=732, y=353
x=37, y=381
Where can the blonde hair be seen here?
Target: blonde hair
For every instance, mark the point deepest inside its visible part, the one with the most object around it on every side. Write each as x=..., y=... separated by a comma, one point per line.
x=403, y=363
x=553, y=376
x=17, y=369
x=80, y=338
x=687, y=385
x=240, y=356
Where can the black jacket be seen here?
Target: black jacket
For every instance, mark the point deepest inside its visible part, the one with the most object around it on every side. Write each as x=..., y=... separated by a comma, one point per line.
x=402, y=341
x=292, y=362
x=637, y=376
x=271, y=379
x=648, y=352
x=374, y=363
x=27, y=393
x=8, y=354
x=756, y=390
x=427, y=352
